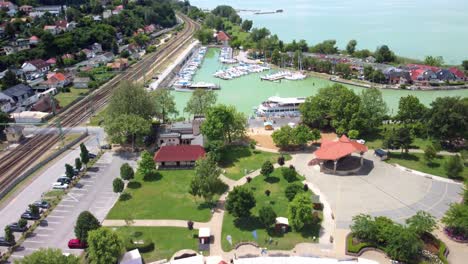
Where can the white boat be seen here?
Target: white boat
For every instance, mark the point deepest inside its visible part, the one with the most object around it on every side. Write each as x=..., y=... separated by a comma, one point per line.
x=295, y=76
x=280, y=106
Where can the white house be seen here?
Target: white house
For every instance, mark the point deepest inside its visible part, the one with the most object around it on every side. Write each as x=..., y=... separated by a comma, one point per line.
x=19, y=95
x=35, y=66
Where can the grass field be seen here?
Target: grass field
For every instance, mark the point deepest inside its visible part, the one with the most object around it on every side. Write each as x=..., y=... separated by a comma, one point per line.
x=416, y=161
x=167, y=240
x=67, y=98
x=98, y=118
x=164, y=197
x=237, y=160
x=241, y=229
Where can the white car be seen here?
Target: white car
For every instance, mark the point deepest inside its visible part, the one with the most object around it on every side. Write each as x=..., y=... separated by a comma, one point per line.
x=58, y=185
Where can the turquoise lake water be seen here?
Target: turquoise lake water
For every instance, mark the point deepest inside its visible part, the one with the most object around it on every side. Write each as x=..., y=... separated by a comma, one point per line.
x=249, y=91
x=412, y=28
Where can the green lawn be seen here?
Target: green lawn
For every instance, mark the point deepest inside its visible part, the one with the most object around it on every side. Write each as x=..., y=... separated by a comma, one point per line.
x=67, y=98
x=416, y=161
x=165, y=197
x=167, y=240
x=98, y=118
x=236, y=160
x=241, y=230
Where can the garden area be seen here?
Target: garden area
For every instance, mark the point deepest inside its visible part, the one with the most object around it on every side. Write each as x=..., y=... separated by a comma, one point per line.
x=158, y=242
x=270, y=192
x=66, y=98
x=164, y=195
x=237, y=160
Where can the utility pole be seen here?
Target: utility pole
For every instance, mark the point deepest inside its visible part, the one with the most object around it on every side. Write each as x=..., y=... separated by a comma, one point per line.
x=59, y=127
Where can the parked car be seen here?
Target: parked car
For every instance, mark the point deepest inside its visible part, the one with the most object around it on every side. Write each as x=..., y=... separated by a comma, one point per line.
x=106, y=146
x=42, y=204
x=63, y=180
x=76, y=243
x=92, y=156
x=16, y=228
x=5, y=243
x=29, y=216
x=58, y=185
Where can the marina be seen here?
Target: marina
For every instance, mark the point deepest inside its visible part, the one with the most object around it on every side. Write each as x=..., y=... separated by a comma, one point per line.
x=240, y=70
x=226, y=56
x=288, y=75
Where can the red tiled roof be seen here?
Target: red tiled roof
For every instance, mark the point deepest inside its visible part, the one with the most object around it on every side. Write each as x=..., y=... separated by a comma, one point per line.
x=222, y=36
x=457, y=72
x=34, y=38
x=179, y=153
x=38, y=63
x=61, y=23
x=52, y=61
x=423, y=67
x=333, y=150
x=416, y=73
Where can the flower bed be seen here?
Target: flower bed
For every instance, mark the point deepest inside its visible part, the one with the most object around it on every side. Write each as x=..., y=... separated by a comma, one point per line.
x=457, y=237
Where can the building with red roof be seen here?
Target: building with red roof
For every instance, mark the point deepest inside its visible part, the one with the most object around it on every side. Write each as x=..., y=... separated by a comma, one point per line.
x=180, y=156
x=223, y=37
x=33, y=40
x=332, y=152
x=458, y=73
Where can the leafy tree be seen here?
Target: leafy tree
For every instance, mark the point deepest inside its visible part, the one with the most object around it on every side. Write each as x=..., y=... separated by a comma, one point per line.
x=22, y=223
x=465, y=65
x=421, y=222
x=85, y=222
x=204, y=35
x=289, y=175
x=200, y=101
x=325, y=47
x=34, y=209
x=281, y=160
x=126, y=172
x=410, y=109
x=165, y=104
x=84, y=154
x=247, y=25
x=118, y=185
x=301, y=135
x=343, y=70
x=353, y=134
x=456, y=218
x=315, y=135
x=403, y=139
x=69, y=171
x=430, y=154
x=267, y=216
x=454, y=166
x=146, y=166
x=131, y=99
x=403, y=245
x=292, y=190
x=377, y=76
x=448, y=118
x=282, y=137
x=372, y=110
x=434, y=61
x=104, y=246
x=267, y=168
x=4, y=118
x=240, y=201
x=206, y=183
x=300, y=211
x=49, y=256
x=364, y=227
x=78, y=164
x=224, y=123
x=384, y=54
x=351, y=47
x=276, y=57
x=9, y=79
x=9, y=235
x=362, y=53
x=127, y=126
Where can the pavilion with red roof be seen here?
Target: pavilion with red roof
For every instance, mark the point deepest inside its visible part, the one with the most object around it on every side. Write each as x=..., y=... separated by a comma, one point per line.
x=180, y=156
x=331, y=153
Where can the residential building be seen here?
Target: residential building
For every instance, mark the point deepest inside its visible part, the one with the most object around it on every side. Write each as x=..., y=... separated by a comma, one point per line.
x=223, y=38
x=182, y=133
x=51, y=61
x=96, y=48
x=397, y=76
x=7, y=5
x=445, y=75
x=81, y=82
x=33, y=40
x=46, y=104
x=52, y=9
x=422, y=75
x=6, y=105
x=26, y=9
x=53, y=29
x=119, y=64
x=57, y=80
x=182, y=156
x=35, y=66
x=89, y=53
x=458, y=73
x=149, y=29
x=107, y=13
x=16, y=46
x=117, y=10
x=19, y=95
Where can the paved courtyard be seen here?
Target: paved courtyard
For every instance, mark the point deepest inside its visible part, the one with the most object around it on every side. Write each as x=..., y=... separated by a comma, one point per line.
x=380, y=190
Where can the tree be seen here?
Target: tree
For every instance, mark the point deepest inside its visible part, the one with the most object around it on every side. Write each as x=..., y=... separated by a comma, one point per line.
x=465, y=65
x=454, y=166
x=410, y=109
x=240, y=201
x=69, y=171
x=276, y=57
x=448, y=118
x=131, y=99
x=146, y=166
x=289, y=174
x=126, y=172
x=434, y=61
x=422, y=222
x=4, y=118
x=10, y=79
x=267, y=168
x=118, y=185
x=204, y=35
x=200, y=101
x=300, y=211
x=34, y=209
x=127, y=126
x=456, y=218
x=377, y=76
x=292, y=190
x=301, y=134
x=247, y=25
x=224, y=123
x=351, y=47
x=22, y=223
x=267, y=216
x=78, y=164
x=9, y=237
x=353, y=134
x=325, y=47
x=104, y=246
x=372, y=110
x=343, y=70
x=84, y=223
x=49, y=256
x=384, y=54
x=84, y=154
x=282, y=137
x=403, y=139
x=364, y=227
x=206, y=183
x=430, y=154
x=165, y=104
x=403, y=245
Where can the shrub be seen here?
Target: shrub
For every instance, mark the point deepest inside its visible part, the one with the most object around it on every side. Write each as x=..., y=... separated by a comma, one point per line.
x=22, y=222
x=281, y=160
x=454, y=166
x=292, y=190
x=249, y=179
x=126, y=172
x=118, y=185
x=267, y=192
x=146, y=246
x=125, y=196
x=306, y=187
x=252, y=144
x=289, y=174
x=267, y=168
x=267, y=216
x=292, y=167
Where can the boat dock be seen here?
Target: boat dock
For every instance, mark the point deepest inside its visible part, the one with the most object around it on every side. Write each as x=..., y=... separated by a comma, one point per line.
x=240, y=70
x=226, y=56
x=277, y=77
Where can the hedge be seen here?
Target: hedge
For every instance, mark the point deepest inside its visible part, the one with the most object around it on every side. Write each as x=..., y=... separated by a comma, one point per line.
x=146, y=246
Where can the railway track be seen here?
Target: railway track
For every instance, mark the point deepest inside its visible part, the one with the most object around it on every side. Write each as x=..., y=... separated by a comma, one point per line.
x=13, y=164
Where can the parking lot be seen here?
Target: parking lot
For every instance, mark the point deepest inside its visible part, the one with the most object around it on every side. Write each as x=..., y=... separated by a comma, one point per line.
x=93, y=193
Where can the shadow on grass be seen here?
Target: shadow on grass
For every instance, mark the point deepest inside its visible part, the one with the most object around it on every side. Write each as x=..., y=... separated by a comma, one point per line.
x=125, y=197
x=404, y=156
x=250, y=223
x=206, y=205
x=310, y=231
x=134, y=185
x=272, y=179
x=232, y=154
x=154, y=176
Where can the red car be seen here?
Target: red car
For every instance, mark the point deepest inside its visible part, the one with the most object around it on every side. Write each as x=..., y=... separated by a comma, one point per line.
x=76, y=243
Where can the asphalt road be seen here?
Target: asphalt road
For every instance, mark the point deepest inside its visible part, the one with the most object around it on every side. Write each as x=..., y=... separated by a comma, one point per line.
x=93, y=193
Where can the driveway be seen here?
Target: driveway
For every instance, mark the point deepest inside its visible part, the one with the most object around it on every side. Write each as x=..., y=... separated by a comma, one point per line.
x=384, y=190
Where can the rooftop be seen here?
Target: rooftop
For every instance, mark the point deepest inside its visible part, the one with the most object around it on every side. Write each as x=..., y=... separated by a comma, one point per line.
x=179, y=153
x=334, y=150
